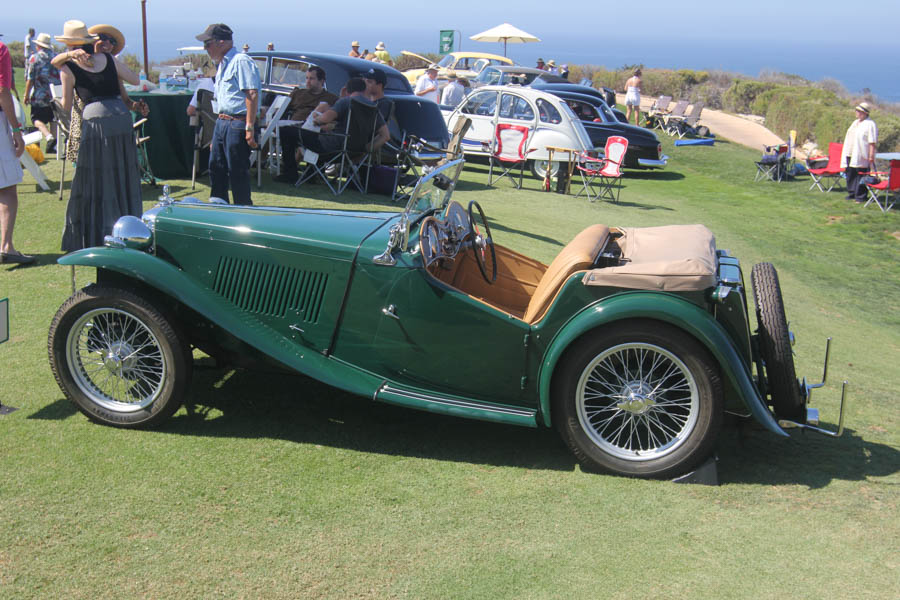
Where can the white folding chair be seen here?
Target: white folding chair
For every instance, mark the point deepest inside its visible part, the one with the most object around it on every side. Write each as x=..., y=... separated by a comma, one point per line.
x=269, y=122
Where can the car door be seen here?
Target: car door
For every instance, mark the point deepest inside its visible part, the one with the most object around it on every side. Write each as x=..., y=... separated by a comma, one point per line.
x=516, y=110
x=481, y=108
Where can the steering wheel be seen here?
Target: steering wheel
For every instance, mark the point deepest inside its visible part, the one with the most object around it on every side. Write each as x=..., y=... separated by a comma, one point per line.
x=482, y=243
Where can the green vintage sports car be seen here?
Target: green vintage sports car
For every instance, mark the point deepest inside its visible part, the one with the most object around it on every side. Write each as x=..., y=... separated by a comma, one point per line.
x=632, y=343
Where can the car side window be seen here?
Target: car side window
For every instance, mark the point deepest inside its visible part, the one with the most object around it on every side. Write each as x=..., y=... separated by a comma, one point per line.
x=548, y=113
x=480, y=103
x=261, y=63
x=490, y=76
x=515, y=107
x=289, y=72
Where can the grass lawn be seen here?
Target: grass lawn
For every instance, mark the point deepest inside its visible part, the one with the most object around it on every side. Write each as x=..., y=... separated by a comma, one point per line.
x=280, y=487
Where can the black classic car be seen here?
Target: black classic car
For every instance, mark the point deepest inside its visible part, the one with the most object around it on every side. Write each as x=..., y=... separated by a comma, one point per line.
x=644, y=149
x=280, y=72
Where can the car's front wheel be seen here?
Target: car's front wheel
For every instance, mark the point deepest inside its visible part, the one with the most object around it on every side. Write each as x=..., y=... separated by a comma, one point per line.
x=118, y=358
x=539, y=168
x=639, y=398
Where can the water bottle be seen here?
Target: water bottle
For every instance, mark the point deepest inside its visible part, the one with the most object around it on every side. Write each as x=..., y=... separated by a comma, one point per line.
x=143, y=82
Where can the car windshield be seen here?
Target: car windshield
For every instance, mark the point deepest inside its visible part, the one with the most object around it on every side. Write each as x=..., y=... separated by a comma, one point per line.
x=518, y=77
x=434, y=189
x=447, y=61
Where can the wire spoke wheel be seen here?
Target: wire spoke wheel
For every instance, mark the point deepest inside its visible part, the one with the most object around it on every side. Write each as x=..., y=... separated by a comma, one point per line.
x=637, y=401
x=118, y=357
x=638, y=398
x=116, y=360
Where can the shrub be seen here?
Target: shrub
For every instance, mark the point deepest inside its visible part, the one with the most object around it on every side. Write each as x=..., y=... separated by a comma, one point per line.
x=742, y=94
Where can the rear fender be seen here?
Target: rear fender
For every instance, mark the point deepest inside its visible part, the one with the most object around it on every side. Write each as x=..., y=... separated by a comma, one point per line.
x=174, y=283
x=670, y=309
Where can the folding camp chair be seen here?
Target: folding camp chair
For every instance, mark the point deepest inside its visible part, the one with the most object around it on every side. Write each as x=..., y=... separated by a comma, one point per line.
x=508, y=147
x=676, y=113
x=140, y=141
x=63, y=124
x=832, y=171
x=772, y=165
x=266, y=144
x=345, y=162
x=687, y=124
x=659, y=108
x=607, y=169
x=204, y=123
x=883, y=193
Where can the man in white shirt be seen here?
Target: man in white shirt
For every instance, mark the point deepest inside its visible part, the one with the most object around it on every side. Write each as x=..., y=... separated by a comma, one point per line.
x=427, y=85
x=29, y=47
x=859, y=151
x=454, y=92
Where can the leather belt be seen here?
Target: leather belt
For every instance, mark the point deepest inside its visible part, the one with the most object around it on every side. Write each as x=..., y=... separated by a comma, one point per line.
x=225, y=117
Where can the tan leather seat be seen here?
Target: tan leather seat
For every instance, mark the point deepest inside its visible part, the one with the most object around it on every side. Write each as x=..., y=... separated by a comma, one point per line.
x=578, y=255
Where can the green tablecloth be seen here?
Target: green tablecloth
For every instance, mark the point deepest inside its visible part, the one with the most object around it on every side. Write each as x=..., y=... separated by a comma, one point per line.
x=171, y=144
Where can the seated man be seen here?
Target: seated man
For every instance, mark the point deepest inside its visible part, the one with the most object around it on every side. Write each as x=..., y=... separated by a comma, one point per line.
x=303, y=102
x=338, y=114
x=375, y=81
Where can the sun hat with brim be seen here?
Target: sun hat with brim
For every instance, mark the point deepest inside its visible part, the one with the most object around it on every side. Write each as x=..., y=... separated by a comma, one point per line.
x=551, y=63
x=864, y=106
x=452, y=75
x=43, y=40
x=432, y=68
x=112, y=32
x=354, y=44
x=75, y=33
x=380, y=46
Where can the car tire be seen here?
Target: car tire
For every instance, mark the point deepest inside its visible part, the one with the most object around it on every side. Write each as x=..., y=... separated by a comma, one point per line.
x=775, y=344
x=118, y=358
x=638, y=398
x=539, y=168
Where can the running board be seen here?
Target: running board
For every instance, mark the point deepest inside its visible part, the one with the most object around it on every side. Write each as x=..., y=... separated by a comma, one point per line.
x=456, y=406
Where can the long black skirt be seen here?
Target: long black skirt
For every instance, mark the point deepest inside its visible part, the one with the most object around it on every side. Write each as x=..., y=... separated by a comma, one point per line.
x=107, y=183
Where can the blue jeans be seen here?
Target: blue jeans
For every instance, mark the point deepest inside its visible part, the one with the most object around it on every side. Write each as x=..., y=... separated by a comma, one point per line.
x=229, y=162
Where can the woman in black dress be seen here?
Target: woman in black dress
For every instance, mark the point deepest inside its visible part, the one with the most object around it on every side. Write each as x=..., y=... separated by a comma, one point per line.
x=107, y=182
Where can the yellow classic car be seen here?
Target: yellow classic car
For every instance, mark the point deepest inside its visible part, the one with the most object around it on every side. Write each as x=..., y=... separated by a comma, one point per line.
x=465, y=64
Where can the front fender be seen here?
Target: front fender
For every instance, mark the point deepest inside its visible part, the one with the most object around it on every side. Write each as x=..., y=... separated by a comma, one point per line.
x=173, y=282
x=670, y=309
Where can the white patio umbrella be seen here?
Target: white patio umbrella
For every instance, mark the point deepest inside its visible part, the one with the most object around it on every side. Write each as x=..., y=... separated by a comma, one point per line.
x=505, y=33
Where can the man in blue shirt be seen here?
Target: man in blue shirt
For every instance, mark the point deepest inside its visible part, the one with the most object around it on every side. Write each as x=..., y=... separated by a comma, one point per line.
x=237, y=97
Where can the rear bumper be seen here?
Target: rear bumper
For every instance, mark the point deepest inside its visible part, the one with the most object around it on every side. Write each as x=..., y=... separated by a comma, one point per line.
x=651, y=163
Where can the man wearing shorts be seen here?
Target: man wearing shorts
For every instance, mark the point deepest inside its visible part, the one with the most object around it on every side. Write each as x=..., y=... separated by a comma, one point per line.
x=39, y=76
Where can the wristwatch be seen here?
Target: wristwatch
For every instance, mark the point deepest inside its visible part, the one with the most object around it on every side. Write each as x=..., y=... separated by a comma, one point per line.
x=248, y=127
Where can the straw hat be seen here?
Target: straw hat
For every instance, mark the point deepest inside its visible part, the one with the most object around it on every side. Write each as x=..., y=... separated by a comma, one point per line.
x=112, y=32
x=380, y=46
x=43, y=40
x=355, y=44
x=75, y=33
x=452, y=75
x=551, y=63
x=865, y=107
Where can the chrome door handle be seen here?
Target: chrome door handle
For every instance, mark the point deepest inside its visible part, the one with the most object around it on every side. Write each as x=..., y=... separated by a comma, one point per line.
x=390, y=311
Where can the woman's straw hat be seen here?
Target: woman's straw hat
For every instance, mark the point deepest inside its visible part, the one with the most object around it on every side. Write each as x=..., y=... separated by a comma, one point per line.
x=43, y=40
x=75, y=33
x=112, y=32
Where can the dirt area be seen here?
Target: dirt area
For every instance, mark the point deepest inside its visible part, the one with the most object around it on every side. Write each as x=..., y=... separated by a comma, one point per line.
x=747, y=130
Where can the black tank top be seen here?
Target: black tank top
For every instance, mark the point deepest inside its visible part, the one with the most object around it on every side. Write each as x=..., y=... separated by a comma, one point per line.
x=96, y=86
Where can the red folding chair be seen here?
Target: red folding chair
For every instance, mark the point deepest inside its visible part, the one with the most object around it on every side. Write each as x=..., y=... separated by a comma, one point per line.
x=508, y=148
x=881, y=193
x=608, y=170
x=832, y=171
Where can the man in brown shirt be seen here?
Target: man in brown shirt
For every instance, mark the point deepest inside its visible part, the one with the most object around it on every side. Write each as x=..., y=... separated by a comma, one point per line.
x=303, y=101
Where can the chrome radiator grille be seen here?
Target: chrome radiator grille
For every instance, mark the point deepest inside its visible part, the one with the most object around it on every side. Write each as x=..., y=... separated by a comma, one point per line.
x=271, y=290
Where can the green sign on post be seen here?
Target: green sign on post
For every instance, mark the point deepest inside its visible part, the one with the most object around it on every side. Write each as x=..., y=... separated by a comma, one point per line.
x=446, y=41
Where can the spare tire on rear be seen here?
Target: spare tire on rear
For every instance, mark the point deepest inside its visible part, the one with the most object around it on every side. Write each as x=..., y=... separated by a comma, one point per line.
x=775, y=345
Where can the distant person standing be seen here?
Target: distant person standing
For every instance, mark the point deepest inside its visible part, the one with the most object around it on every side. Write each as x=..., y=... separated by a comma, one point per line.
x=633, y=97
x=540, y=65
x=29, y=47
x=454, y=92
x=427, y=85
x=39, y=76
x=354, y=50
x=859, y=151
x=237, y=98
x=383, y=55
x=11, y=148
x=551, y=67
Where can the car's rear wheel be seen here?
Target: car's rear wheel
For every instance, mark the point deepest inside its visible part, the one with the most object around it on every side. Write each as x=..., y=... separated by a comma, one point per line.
x=539, y=168
x=775, y=344
x=118, y=358
x=639, y=398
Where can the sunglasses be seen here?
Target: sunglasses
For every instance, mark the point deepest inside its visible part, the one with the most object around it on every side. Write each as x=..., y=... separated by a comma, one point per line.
x=208, y=43
x=107, y=38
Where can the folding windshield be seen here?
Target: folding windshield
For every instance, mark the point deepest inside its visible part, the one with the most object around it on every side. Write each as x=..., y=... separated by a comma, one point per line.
x=433, y=191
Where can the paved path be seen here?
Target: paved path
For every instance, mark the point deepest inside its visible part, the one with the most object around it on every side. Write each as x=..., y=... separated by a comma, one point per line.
x=730, y=127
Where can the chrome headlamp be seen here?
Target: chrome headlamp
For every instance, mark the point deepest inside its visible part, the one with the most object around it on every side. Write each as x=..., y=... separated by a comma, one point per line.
x=129, y=232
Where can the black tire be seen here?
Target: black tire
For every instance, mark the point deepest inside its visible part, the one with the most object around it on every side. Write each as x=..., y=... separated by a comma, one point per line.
x=775, y=344
x=118, y=358
x=638, y=398
x=538, y=168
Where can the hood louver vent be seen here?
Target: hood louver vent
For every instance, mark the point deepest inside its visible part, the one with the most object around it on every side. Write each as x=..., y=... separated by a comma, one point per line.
x=271, y=290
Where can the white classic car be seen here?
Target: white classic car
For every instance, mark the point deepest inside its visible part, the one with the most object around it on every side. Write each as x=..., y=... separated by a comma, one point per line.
x=549, y=118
